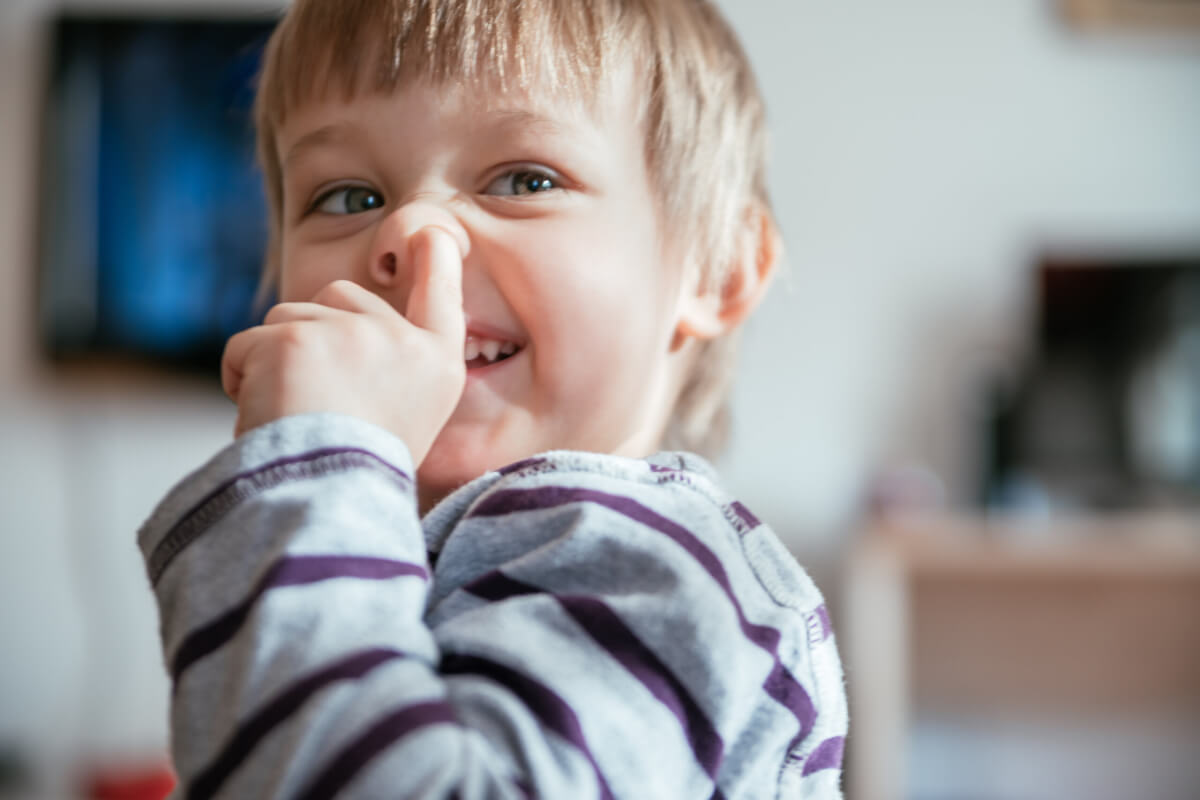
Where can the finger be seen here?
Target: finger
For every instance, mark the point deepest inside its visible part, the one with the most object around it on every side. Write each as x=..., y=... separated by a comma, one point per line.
x=231, y=370
x=298, y=312
x=435, y=303
x=233, y=360
x=344, y=295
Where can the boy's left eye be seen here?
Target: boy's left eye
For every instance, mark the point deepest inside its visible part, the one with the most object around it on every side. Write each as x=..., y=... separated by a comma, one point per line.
x=521, y=182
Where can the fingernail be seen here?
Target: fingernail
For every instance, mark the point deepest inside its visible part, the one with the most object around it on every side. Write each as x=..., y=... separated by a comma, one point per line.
x=460, y=243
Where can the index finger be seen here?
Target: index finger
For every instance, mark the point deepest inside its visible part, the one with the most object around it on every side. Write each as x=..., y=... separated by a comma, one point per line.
x=435, y=302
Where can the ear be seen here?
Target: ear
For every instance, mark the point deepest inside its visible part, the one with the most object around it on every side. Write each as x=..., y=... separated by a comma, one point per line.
x=709, y=312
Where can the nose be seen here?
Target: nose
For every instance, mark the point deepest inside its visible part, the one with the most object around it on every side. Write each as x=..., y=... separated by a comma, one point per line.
x=390, y=258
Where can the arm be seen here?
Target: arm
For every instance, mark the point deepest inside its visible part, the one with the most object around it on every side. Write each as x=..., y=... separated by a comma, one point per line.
x=291, y=577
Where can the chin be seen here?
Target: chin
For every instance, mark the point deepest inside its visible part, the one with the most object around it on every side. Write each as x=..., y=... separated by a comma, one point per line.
x=458, y=459
x=440, y=474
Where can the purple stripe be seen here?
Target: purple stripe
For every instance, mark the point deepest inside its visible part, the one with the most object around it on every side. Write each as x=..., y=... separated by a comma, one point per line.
x=614, y=636
x=679, y=466
x=551, y=710
x=748, y=520
x=820, y=627
x=527, y=463
x=275, y=713
x=290, y=571
x=780, y=684
x=516, y=500
x=379, y=737
x=788, y=692
x=611, y=633
x=828, y=755
x=242, y=486
x=496, y=586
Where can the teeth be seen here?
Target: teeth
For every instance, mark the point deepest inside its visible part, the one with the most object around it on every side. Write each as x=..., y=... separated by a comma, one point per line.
x=491, y=349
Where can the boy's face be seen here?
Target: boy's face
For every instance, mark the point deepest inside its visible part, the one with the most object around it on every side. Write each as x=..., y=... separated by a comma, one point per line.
x=566, y=261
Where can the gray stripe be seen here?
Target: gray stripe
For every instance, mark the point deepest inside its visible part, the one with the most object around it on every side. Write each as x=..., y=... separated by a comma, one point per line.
x=551, y=710
x=615, y=637
x=290, y=571
x=253, y=730
x=379, y=737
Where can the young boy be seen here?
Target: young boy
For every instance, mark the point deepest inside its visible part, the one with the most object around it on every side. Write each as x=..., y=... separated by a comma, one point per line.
x=512, y=242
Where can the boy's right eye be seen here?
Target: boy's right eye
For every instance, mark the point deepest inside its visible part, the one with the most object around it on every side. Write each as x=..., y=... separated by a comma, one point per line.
x=348, y=200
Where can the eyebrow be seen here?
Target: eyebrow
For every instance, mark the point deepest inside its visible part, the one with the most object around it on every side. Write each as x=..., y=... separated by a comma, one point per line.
x=340, y=133
x=526, y=121
x=336, y=133
x=521, y=118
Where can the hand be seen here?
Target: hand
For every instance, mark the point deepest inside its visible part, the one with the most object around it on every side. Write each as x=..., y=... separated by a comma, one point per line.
x=349, y=351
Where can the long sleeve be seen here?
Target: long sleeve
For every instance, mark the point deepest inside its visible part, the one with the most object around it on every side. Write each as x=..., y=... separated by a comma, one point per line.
x=587, y=627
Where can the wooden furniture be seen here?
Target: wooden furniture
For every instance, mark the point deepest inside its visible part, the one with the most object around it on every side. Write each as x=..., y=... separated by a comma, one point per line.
x=964, y=614
x=1162, y=15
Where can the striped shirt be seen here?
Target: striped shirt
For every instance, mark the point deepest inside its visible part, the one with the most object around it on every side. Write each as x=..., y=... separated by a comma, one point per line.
x=573, y=626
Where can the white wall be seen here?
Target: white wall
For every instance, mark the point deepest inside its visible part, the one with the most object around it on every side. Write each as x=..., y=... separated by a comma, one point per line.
x=83, y=458
x=924, y=151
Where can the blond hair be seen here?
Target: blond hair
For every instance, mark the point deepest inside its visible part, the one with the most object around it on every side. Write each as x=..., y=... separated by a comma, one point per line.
x=703, y=114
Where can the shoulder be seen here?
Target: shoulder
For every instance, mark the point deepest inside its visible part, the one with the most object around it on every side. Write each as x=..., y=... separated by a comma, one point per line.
x=650, y=554
x=674, y=496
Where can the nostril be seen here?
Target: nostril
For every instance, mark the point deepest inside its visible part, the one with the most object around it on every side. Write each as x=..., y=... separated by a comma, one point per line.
x=388, y=264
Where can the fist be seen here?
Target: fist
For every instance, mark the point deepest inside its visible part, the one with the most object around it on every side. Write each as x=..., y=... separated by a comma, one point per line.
x=349, y=351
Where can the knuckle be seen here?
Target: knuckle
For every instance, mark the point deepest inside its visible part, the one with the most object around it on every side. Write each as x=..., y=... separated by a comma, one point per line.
x=361, y=328
x=340, y=289
x=275, y=315
x=294, y=339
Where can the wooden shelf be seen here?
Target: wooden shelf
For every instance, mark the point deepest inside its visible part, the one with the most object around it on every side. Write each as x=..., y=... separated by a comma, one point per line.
x=1009, y=617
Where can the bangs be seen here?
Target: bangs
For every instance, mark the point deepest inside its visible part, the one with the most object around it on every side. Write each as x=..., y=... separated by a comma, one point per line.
x=351, y=47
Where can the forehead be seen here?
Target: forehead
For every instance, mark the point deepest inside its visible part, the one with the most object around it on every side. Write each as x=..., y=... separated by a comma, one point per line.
x=610, y=109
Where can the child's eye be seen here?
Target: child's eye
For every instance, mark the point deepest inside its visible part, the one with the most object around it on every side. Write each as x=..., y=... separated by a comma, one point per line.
x=525, y=181
x=348, y=200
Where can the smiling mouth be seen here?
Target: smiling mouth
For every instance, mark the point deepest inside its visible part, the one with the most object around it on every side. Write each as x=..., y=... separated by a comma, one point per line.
x=479, y=352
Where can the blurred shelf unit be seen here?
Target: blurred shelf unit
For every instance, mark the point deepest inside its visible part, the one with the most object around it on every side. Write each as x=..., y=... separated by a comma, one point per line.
x=1164, y=15
x=1081, y=617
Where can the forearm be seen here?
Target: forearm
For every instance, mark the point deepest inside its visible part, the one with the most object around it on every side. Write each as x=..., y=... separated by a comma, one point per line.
x=291, y=576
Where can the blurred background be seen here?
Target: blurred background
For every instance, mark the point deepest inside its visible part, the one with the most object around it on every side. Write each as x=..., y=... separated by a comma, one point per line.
x=971, y=405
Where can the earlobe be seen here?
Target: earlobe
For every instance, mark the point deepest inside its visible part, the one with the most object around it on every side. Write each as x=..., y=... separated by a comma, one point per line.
x=699, y=318
x=709, y=312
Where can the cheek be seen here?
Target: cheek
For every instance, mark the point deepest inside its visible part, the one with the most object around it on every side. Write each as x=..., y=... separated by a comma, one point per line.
x=593, y=289
x=308, y=267
x=602, y=335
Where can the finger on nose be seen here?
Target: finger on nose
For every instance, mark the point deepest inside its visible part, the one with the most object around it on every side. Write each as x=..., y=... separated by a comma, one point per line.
x=436, y=300
x=425, y=210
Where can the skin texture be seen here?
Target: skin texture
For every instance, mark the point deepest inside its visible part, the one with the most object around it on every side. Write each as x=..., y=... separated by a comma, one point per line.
x=413, y=219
